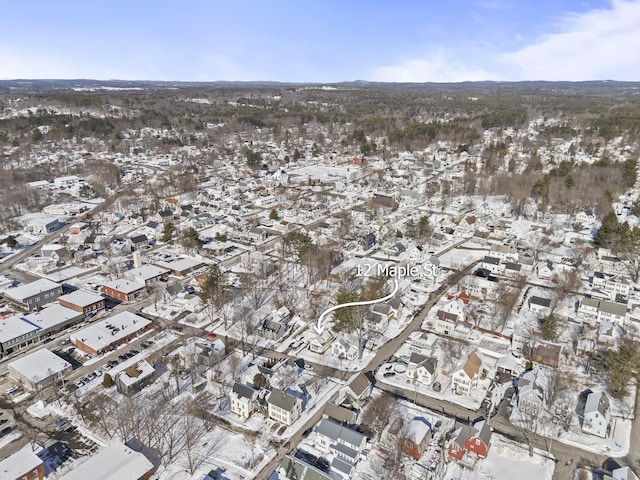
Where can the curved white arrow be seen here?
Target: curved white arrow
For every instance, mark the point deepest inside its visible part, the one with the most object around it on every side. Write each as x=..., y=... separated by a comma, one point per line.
x=320, y=327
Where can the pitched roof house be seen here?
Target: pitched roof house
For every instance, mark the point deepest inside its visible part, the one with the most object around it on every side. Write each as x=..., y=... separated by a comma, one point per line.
x=243, y=399
x=596, y=414
x=283, y=407
x=416, y=440
x=469, y=370
x=470, y=443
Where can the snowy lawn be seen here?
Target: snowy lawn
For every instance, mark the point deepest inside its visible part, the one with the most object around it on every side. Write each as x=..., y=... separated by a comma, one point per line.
x=506, y=459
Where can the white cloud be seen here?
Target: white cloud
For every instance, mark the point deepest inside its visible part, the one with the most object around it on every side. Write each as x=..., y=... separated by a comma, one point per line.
x=601, y=44
x=437, y=68
x=596, y=45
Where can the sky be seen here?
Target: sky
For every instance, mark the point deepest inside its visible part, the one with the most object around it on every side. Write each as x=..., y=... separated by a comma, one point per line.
x=321, y=41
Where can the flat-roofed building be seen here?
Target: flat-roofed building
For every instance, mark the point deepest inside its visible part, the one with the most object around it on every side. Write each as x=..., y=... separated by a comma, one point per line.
x=18, y=331
x=83, y=301
x=105, y=335
x=34, y=295
x=116, y=462
x=123, y=290
x=182, y=267
x=147, y=274
x=24, y=464
x=39, y=369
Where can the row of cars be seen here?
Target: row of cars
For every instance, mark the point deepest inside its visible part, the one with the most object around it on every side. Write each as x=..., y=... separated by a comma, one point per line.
x=88, y=378
x=109, y=365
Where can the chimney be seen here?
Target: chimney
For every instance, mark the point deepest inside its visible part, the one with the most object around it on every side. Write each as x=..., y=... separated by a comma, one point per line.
x=137, y=259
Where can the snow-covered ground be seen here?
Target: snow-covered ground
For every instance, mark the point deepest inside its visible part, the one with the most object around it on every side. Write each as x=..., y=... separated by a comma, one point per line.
x=506, y=459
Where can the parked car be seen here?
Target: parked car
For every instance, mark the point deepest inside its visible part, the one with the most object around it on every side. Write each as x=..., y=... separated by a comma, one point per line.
x=134, y=352
x=106, y=367
x=78, y=383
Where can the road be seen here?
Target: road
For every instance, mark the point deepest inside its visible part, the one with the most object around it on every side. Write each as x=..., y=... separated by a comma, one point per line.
x=384, y=353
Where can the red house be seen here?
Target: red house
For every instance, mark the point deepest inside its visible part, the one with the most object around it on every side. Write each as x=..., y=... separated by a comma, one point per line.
x=416, y=440
x=470, y=442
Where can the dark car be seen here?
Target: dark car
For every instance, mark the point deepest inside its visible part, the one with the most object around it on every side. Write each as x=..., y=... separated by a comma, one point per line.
x=122, y=357
x=134, y=352
x=323, y=464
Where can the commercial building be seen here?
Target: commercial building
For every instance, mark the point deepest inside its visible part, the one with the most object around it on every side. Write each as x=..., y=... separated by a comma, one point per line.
x=34, y=295
x=39, y=369
x=18, y=331
x=24, y=464
x=107, y=334
x=123, y=290
x=83, y=301
x=116, y=462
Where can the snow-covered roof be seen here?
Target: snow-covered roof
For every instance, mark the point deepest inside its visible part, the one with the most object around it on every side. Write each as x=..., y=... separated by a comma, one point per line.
x=51, y=316
x=31, y=289
x=15, y=326
x=182, y=265
x=133, y=374
x=39, y=365
x=418, y=429
x=116, y=462
x=20, y=463
x=123, y=285
x=81, y=298
x=146, y=272
x=106, y=332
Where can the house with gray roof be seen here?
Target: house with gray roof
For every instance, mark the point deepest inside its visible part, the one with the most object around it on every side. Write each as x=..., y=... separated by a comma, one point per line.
x=343, y=442
x=531, y=396
x=358, y=391
x=293, y=468
x=283, y=407
x=597, y=418
x=243, y=399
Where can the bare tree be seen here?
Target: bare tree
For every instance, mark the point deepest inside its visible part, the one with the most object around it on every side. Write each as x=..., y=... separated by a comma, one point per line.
x=566, y=283
x=452, y=349
x=379, y=412
x=192, y=432
x=507, y=300
x=234, y=366
x=529, y=424
x=102, y=413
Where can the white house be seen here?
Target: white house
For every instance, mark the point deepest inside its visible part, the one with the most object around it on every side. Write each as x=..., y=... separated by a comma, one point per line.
x=283, y=407
x=596, y=414
x=345, y=346
x=421, y=369
x=530, y=396
x=321, y=342
x=423, y=343
x=470, y=369
x=331, y=437
x=243, y=400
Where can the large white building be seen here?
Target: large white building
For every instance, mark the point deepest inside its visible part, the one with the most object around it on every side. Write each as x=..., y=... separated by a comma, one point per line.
x=39, y=369
x=116, y=462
